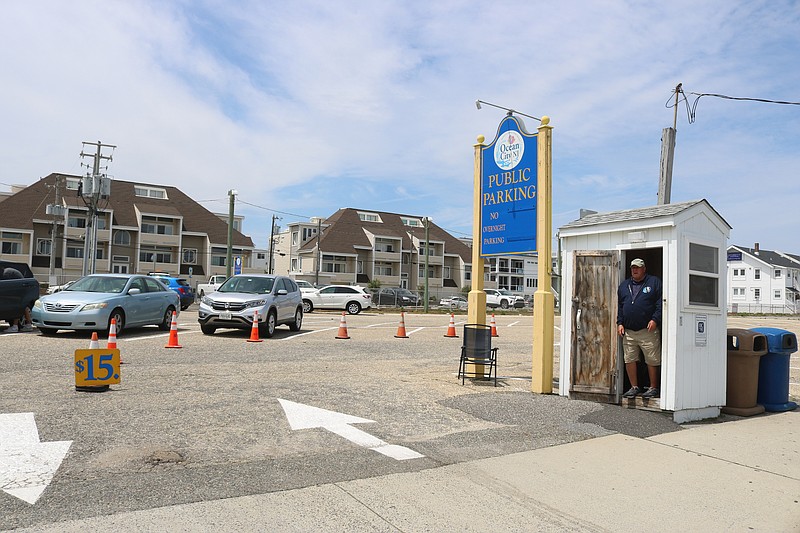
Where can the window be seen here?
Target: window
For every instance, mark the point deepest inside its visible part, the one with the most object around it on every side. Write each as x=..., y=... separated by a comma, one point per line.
x=334, y=263
x=703, y=275
x=259, y=255
x=738, y=292
x=446, y=272
x=369, y=217
x=120, y=258
x=10, y=247
x=190, y=256
x=76, y=222
x=757, y=294
x=777, y=273
x=122, y=238
x=413, y=222
x=43, y=246
x=738, y=272
x=73, y=184
x=467, y=272
x=385, y=245
x=158, y=225
x=777, y=294
x=294, y=265
x=295, y=236
x=119, y=269
x=308, y=233
x=75, y=252
x=383, y=269
x=157, y=254
x=422, y=272
x=532, y=283
x=150, y=192
x=757, y=273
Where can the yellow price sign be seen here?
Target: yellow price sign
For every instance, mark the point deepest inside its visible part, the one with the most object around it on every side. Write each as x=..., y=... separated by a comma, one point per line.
x=96, y=367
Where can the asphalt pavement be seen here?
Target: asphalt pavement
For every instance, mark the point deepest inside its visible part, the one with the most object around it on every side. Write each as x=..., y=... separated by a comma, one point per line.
x=197, y=439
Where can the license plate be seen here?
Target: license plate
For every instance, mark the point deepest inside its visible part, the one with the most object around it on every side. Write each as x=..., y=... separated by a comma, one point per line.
x=225, y=315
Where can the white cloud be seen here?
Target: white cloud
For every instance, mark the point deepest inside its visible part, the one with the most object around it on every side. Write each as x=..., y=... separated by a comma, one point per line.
x=310, y=106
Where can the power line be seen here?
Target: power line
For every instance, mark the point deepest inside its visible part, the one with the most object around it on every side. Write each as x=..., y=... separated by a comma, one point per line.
x=691, y=109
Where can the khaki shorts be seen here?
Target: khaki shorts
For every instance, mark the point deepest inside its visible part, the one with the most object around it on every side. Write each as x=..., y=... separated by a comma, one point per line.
x=648, y=341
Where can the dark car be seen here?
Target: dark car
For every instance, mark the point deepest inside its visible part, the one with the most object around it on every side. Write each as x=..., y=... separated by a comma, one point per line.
x=179, y=285
x=18, y=290
x=396, y=297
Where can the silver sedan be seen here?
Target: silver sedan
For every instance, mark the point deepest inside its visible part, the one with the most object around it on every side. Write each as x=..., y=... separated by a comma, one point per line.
x=91, y=302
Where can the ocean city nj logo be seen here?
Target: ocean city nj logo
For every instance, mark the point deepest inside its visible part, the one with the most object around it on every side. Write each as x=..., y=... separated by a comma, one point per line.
x=509, y=149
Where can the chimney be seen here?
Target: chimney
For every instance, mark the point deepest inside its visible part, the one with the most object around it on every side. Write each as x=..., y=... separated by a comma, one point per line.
x=755, y=249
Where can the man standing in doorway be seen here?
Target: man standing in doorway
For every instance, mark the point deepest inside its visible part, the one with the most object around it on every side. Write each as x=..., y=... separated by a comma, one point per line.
x=639, y=325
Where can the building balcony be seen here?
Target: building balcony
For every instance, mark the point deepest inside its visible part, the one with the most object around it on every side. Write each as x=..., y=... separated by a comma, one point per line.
x=388, y=257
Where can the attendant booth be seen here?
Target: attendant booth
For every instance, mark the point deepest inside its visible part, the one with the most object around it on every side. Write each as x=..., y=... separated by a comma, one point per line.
x=685, y=245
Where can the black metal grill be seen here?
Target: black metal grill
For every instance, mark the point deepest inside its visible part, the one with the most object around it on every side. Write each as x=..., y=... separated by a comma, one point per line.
x=226, y=306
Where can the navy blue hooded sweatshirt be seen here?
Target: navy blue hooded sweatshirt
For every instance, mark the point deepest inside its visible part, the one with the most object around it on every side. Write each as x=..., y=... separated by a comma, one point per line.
x=634, y=312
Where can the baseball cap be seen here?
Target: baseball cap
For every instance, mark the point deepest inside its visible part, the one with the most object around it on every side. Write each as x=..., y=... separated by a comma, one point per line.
x=637, y=263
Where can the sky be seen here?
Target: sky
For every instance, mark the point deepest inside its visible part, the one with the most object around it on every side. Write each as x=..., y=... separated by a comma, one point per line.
x=305, y=107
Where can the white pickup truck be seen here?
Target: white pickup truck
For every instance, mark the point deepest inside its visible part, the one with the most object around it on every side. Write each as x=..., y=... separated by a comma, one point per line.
x=213, y=284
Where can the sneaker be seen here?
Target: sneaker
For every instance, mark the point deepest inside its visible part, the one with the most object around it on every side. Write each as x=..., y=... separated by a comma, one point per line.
x=632, y=392
x=27, y=327
x=12, y=329
x=652, y=392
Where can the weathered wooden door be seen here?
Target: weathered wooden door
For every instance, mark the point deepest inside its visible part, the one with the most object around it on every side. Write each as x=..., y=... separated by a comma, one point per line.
x=593, y=353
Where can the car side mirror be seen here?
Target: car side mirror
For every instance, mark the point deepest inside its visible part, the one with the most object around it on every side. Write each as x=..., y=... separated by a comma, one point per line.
x=134, y=291
x=282, y=292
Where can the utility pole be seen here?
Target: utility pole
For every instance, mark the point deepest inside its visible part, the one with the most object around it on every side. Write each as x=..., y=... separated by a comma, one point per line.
x=57, y=211
x=93, y=187
x=319, y=256
x=427, y=253
x=231, y=205
x=668, y=155
x=272, y=244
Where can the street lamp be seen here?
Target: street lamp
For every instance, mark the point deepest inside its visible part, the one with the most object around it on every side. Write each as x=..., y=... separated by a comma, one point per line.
x=510, y=111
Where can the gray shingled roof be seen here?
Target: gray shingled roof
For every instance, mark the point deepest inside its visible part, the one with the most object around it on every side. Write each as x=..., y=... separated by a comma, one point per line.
x=20, y=209
x=345, y=232
x=768, y=256
x=641, y=213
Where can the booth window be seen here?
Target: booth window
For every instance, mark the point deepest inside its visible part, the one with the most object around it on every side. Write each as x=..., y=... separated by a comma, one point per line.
x=703, y=275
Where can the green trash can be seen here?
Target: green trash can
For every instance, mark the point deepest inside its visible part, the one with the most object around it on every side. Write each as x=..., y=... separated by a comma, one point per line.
x=745, y=349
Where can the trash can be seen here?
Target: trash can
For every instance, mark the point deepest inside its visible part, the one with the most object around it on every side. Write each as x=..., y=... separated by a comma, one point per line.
x=745, y=349
x=773, y=371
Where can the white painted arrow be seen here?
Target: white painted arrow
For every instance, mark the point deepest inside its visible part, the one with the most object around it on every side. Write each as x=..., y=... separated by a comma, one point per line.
x=301, y=416
x=27, y=466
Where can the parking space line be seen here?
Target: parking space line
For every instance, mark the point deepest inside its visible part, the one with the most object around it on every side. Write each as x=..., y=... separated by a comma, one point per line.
x=156, y=336
x=415, y=330
x=309, y=333
x=379, y=325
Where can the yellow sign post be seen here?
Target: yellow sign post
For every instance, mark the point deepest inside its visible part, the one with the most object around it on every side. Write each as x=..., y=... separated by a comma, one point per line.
x=543, y=300
x=96, y=368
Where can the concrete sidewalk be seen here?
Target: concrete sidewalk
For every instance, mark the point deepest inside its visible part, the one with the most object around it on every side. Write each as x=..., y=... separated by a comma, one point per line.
x=742, y=475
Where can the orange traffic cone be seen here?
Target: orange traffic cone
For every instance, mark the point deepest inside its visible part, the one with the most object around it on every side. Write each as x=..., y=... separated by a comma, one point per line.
x=173, y=333
x=401, y=329
x=451, y=329
x=94, y=343
x=342, y=333
x=254, y=329
x=494, y=327
x=112, y=335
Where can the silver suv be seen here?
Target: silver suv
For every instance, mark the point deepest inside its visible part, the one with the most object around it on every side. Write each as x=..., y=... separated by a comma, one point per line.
x=503, y=299
x=276, y=298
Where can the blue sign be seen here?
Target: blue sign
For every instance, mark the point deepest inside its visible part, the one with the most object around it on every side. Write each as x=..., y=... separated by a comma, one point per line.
x=508, y=191
x=237, y=264
x=734, y=256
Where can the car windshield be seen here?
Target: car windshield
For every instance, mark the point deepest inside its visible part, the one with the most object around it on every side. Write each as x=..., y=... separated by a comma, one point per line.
x=98, y=284
x=251, y=285
x=505, y=292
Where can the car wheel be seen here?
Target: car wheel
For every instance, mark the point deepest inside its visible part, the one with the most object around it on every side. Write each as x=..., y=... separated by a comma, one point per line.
x=307, y=306
x=48, y=331
x=166, y=321
x=298, y=320
x=119, y=317
x=267, y=328
x=504, y=304
x=207, y=330
x=353, y=308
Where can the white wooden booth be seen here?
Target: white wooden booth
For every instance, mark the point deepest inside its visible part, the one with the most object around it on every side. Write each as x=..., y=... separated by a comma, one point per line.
x=684, y=244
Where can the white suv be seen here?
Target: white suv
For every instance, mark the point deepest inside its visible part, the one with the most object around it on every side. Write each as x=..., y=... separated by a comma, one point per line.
x=350, y=298
x=503, y=299
x=276, y=298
